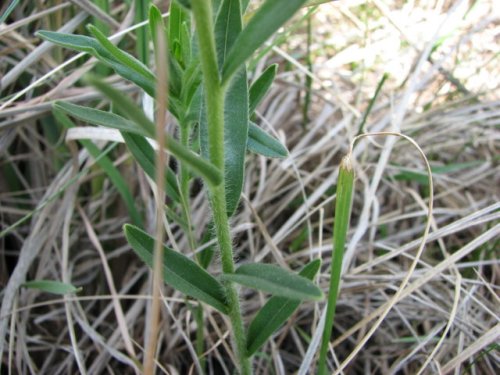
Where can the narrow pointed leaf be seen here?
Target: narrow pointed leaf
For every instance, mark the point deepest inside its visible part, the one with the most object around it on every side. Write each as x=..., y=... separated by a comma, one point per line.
x=132, y=134
x=145, y=155
x=274, y=313
x=227, y=27
x=235, y=139
x=261, y=86
x=126, y=107
x=275, y=280
x=176, y=23
x=51, y=286
x=268, y=19
x=82, y=43
x=155, y=23
x=121, y=56
x=98, y=117
x=179, y=271
x=264, y=144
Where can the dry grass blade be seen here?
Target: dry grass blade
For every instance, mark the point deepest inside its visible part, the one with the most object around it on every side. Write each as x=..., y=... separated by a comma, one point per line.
x=161, y=163
x=442, y=90
x=120, y=317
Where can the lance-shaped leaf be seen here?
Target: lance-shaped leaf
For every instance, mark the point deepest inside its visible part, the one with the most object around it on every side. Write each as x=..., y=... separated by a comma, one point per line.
x=264, y=144
x=227, y=27
x=179, y=271
x=126, y=107
x=275, y=280
x=51, y=286
x=92, y=46
x=120, y=56
x=144, y=154
x=175, y=74
x=268, y=19
x=274, y=313
x=260, y=87
x=178, y=24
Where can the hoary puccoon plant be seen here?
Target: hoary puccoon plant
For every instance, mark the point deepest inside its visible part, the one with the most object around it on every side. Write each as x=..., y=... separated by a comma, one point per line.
x=202, y=49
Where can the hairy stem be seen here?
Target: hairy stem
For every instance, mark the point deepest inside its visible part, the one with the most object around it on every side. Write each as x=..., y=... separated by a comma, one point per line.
x=214, y=98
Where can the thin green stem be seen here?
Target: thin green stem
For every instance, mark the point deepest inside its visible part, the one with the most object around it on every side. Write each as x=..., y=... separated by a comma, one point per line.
x=214, y=98
x=184, y=188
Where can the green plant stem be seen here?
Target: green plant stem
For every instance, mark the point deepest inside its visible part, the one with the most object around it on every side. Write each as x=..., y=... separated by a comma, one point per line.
x=345, y=186
x=214, y=97
x=184, y=187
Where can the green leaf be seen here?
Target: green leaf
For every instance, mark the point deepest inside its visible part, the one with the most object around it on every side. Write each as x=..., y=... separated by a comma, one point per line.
x=133, y=136
x=125, y=106
x=144, y=154
x=268, y=19
x=51, y=286
x=177, y=22
x=275, y=280
x=261, y=86
x=144, y=79
x=185, y=3
x=206, y=255
x=120, y=56
x=179, y=271
x=227, y=27
x=80, y=43
x=104, y=162
x=98, y=117
x=264, y=144
x=274, y=313
x=155, y=22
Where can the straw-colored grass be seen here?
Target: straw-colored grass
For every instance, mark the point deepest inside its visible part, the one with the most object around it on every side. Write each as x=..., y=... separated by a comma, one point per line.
x=442, y=90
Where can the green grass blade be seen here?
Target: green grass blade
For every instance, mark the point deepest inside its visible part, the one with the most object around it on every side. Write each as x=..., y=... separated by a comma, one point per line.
x=345, y=187
x=51, y=286
x=260, y=87
x=264, y=144
x=274, y=313
x=179, y=271
x=141, y=13
x=9, y=10
x=275, y=280
x=125, y=106
x=268, y=19
x=107, y=165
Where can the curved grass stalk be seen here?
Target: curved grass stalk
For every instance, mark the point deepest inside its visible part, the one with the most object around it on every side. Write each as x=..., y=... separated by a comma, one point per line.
x=340, y=232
